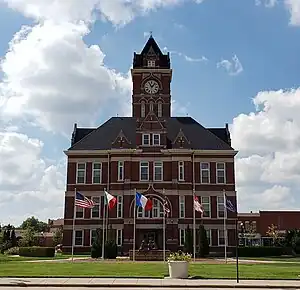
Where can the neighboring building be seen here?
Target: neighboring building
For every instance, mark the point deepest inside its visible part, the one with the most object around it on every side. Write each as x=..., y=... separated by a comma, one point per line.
x=159, y=156
x=256, y=225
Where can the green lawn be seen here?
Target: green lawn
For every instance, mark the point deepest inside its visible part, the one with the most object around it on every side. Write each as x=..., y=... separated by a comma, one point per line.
x=5, y=258
x=130, y=269
x=281, y=259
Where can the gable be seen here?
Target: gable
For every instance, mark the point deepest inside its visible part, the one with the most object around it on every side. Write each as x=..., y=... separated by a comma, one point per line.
x=181, y=141
x=151, y=122
x=121, y=141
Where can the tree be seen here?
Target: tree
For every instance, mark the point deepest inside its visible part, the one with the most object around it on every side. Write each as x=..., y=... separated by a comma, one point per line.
x=188, y=245
x=58, y=236
x=13, y=238
x=34, y=224
x=28, y=238
x=203, y=242
x=273, y=232
x=96, y=250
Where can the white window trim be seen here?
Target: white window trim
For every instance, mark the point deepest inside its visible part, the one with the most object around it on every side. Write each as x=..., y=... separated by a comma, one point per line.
x=91, y=230
x=180, y=166
x=158, y=139
x=209, y=198
x=81, y=170
x=183, y=198
x=221, y=170
x=79, y=218
x=119, y=201
x=141, y=170
x=151, y=213
x=82, y=240
x=208, y=169
x=151, y=63
x=162, y=171
x=117, y=237
x=221, y=245
x=159, y=109
x=220, y=217
x=148, y=139
x=119, y=163
x=92, y=198
x=180, y=230
x=209, y=232
x=97, y=170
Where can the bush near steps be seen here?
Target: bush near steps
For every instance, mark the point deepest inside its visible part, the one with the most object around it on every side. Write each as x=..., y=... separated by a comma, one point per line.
x=37, y=252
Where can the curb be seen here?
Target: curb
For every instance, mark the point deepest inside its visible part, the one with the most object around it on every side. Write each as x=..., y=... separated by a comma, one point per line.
x=147, y=286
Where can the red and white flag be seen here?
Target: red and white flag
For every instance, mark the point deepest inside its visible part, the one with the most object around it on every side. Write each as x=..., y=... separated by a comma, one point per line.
x=197, y=204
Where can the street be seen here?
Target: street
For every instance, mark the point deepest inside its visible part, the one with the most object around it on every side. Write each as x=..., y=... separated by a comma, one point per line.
x=120, y=288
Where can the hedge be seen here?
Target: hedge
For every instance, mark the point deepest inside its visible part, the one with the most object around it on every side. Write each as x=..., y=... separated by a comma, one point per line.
x=260, y=251
x=37, y=252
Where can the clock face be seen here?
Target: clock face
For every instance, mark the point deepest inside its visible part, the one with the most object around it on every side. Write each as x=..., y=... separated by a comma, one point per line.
x=151, y=87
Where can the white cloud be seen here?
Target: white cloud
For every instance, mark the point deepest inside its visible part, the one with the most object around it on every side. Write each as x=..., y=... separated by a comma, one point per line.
x=268, y=164
x=49, y=69
x=233, y=67
x=266, y=3
x=29, y=185
x=293, y=7
x=186, y=57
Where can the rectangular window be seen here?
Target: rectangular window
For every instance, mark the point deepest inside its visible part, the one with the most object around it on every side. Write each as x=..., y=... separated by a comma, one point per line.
x=205, y=201
x=79, y=238
x=79, y=212
x=181, y=170
x=97, y=169
x=146, y=139
x=205, y=172
x=119, y=206
x=119, y=237
x=157, y=209
x=208, y=235
x=181, y=206
x=220, y=167
x=93, y=235
x=220, y=206
x=96, y=209
x=80, y=174
x=151, y=63
x=144, y=171
x=143, y=214
x=120, y=170
x=158, y=171
x=221, y=238
x=156, y=139
x=182, y=237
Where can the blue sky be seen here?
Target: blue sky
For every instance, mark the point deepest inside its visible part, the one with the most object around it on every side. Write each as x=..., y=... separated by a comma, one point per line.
x=263, y=40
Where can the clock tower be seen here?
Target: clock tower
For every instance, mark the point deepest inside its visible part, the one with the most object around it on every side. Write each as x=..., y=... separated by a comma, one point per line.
x=151, y=77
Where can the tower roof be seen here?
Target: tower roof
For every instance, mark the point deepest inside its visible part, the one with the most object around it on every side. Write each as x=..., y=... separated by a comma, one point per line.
x=151, y=50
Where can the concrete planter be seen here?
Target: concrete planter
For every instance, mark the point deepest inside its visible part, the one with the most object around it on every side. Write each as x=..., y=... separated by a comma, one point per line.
x=178, y=269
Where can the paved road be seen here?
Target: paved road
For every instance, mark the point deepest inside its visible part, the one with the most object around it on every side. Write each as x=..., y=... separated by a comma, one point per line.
x=86, y=288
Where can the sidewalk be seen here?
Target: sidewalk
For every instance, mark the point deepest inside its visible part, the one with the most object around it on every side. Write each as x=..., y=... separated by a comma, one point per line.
x=148, y=283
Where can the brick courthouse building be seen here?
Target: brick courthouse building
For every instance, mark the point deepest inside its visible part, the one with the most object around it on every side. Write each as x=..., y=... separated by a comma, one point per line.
x=156, y=154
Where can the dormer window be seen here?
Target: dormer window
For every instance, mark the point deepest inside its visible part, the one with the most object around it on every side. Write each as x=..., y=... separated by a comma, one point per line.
x=156, y=140
x=146, y=139
x=151, y=63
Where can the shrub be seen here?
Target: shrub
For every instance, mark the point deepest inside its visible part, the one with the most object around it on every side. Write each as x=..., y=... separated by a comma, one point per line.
x=260, y=251
x=188, y=245
x=12, y=251
x=37, y=252
x=111, y=250
x=203, y=242
x=5, y=246
x=96, y=250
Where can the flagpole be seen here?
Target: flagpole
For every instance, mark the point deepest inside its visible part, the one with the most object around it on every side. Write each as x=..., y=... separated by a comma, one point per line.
x=225, y=230
x=103, y=225
x=194, y=226
x=164, y=226
x=134, y=216
x=73, y=227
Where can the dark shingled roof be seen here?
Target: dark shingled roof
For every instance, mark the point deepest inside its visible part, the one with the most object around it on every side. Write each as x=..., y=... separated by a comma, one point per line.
x=101, y=138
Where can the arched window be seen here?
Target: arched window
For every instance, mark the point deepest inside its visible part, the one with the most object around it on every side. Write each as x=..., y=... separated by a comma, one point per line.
x=156, y=212
x=159, y=109
x=151, y=106
x=142, y=109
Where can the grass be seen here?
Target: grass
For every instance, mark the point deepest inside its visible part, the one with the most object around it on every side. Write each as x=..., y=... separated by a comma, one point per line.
x=15, y=268
x=280, y=259
x=5, y=258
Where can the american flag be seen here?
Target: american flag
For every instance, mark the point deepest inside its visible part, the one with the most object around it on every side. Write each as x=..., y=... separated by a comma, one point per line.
x=82, y=201
x=165, y=205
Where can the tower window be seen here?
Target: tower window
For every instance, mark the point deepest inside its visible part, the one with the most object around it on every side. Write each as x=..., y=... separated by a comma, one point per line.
x=151, y=63
x=156, y=139
x=151, y=106
x=142, y=109
x=159, y=109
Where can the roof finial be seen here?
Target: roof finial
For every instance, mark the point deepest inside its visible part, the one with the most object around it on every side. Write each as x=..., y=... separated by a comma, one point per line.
x=151, y=34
